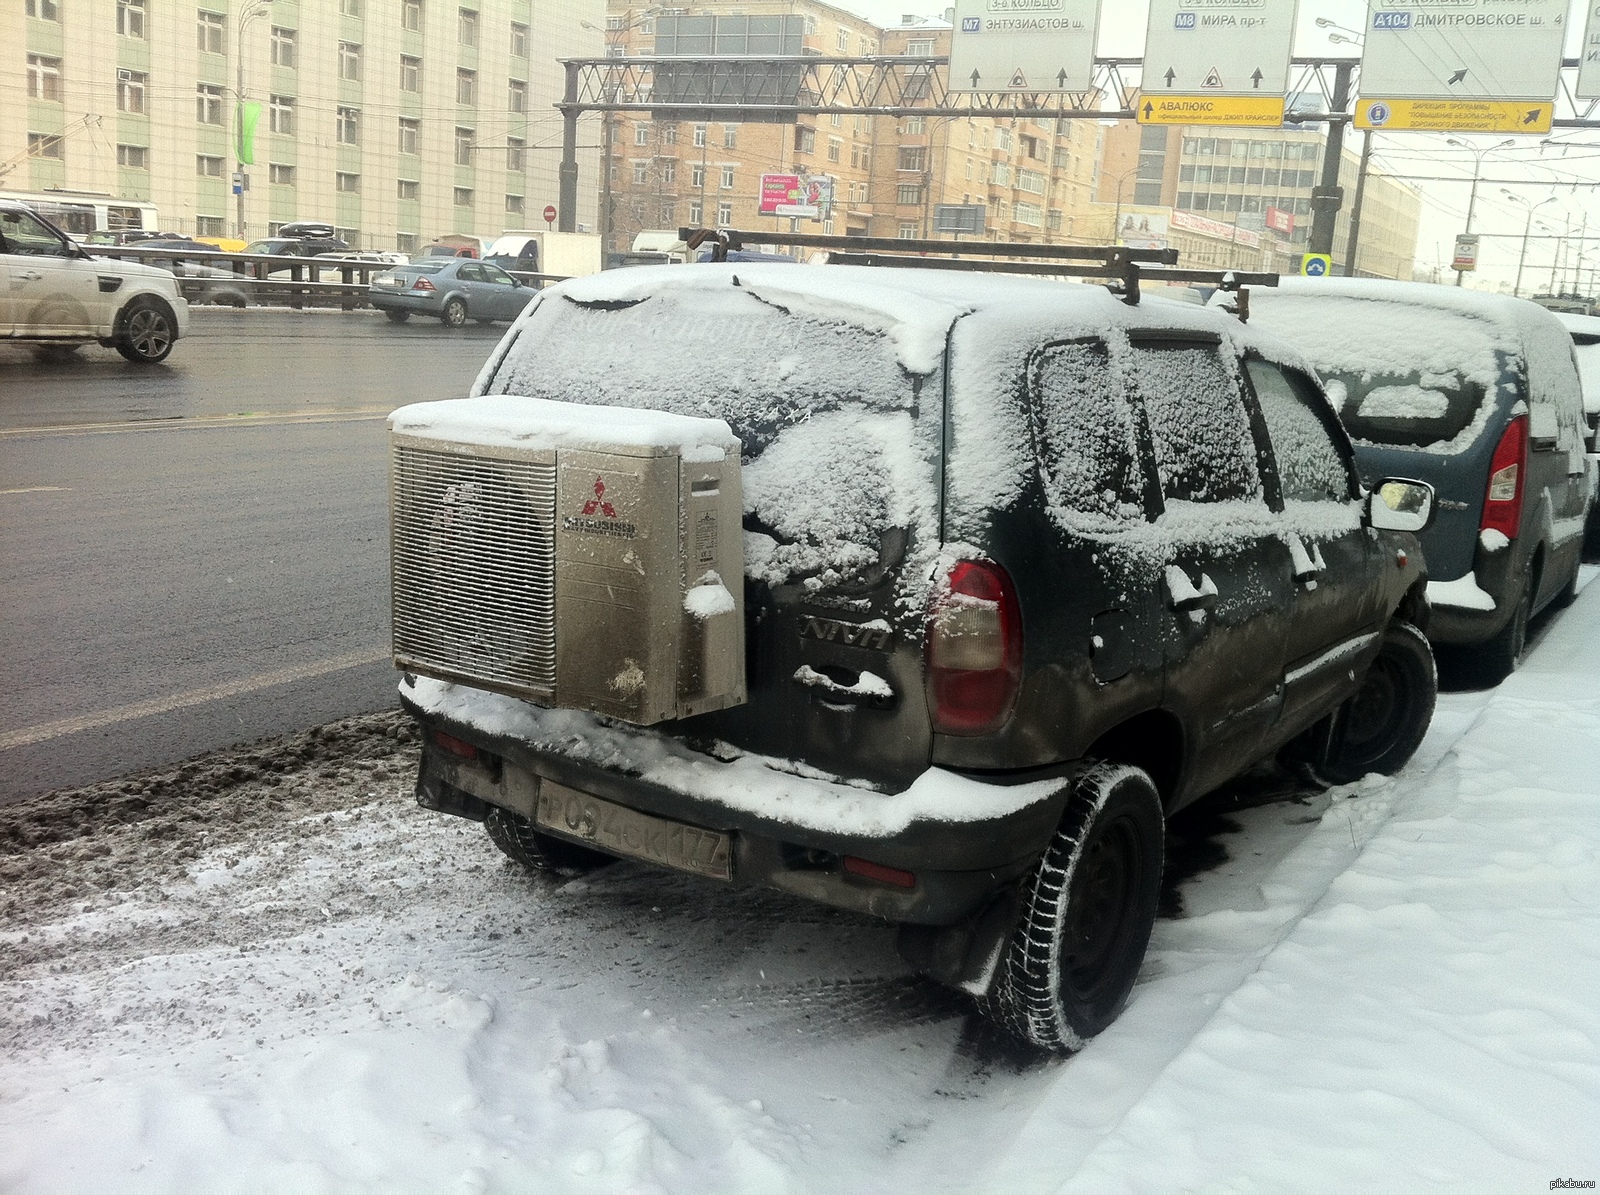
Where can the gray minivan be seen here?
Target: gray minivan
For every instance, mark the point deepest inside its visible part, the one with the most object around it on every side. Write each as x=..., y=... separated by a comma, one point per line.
x=1477, y=394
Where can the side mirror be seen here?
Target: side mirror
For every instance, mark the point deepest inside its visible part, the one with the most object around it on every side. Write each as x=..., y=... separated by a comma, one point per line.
x=1397, y=504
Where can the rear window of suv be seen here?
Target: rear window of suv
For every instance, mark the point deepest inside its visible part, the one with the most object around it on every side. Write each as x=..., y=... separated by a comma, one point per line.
x=1414, y=409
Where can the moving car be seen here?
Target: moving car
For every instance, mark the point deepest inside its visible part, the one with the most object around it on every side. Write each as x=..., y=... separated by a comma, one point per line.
x=1477, y=394
x=55, y=294
x=917, y=594
x=297, y=246
x=452, y=289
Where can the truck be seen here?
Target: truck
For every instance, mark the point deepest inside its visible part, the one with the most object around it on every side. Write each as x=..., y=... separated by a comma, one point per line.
x=539, y=251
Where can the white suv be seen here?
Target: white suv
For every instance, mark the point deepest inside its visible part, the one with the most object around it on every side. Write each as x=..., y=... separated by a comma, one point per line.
x=53, y=293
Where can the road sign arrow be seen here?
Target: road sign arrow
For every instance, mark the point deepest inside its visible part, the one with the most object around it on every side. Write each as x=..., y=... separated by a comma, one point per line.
x=1458, y=76
x=975, y=78
x=1148, y=109
x=1532, y=117
x=1170, y=76
x=1061, y=78
x=1256, y=78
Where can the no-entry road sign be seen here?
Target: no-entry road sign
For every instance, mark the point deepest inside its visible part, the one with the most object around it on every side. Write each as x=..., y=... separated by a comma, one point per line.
x=1024, y=45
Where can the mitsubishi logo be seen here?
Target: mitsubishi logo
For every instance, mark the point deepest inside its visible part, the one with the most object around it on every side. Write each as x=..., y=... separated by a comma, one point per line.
x=598, y=504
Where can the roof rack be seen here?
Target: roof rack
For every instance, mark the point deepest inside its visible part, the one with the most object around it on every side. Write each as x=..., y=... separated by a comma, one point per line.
x=1124, y=267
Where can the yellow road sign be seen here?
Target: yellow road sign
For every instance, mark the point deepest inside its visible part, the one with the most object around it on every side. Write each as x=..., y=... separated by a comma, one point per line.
x=1456, y=116
x=1246, y=111
x=1316, y=265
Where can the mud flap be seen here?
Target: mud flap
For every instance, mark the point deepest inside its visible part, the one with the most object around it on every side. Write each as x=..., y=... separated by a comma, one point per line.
x=435, y=794
x=965, y=955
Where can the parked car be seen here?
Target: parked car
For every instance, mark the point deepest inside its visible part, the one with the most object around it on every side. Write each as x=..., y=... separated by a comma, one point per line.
x=1585, y=332
x=200, y=283
x=287, y=246
x=452, y=289
x=56, y=295
x=916, y=594
x=1479, y=395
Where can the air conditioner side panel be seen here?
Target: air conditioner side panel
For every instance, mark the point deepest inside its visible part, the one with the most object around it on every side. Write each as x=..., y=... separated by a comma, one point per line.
x=618, y=584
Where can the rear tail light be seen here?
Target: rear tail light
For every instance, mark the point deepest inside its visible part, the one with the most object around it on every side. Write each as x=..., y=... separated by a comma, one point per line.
x=422, y=284
x=880, y=872
x=1502, y=503
x=973, y=649
x=454, y=745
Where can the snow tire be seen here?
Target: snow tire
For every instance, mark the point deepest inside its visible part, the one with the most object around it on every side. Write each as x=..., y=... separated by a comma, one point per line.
x=1381, y=727
x=1087, y=912
x=515, y=835
x=454, y=313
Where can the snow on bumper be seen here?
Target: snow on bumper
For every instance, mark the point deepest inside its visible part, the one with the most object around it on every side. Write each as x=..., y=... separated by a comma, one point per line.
x=1463, y=593
x=779, y=792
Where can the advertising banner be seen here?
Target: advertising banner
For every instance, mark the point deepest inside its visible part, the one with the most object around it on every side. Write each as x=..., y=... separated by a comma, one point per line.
x=800, y=195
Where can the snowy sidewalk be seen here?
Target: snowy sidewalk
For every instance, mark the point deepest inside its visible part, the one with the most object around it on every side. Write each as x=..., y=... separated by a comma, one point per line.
x=1436, y=1018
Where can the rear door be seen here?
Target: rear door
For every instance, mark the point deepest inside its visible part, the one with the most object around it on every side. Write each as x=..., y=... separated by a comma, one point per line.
x=1225, y=575
x=1335, y=565
x=469, y=281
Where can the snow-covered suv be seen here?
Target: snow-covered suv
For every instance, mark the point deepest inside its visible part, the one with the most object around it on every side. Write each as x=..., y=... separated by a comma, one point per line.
x=1025, y=568
x=52, y=292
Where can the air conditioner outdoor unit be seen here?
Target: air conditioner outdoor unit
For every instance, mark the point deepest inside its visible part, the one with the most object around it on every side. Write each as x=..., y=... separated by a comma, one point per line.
x=580, y=557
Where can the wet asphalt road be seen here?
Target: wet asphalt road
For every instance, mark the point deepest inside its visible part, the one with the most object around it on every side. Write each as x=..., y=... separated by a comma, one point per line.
x=195, y=555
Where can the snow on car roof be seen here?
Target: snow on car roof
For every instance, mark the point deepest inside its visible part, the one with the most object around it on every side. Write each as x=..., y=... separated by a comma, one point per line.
x=914, y=308
x=1444, y=330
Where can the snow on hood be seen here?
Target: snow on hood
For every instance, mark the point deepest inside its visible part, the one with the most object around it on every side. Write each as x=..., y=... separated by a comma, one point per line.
x=510, y=421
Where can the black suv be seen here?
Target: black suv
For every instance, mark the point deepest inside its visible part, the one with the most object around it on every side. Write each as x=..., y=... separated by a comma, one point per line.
x=1026, y=569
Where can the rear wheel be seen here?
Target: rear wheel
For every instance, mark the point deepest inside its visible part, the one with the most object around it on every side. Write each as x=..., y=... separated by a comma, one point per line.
x=515, y=835
x=454, y=313
x=146, y=332
x=1381, y=727
x=1087, y=912
x=397, y=317
x=1499, y=656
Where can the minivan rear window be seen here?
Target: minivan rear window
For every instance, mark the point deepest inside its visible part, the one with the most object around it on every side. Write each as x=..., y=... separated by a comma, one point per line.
x=1412, y=409
x=1403, y=373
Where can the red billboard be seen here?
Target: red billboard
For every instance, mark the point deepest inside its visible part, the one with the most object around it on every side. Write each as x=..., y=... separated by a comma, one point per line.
x=1280, y=220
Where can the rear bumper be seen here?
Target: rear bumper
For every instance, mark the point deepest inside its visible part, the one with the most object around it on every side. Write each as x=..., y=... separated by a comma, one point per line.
x=962, y=839
x=400, y=300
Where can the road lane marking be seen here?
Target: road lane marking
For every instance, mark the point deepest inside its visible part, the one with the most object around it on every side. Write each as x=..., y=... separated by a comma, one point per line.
x=39, y=489
x=178, y=701
x=169, y=423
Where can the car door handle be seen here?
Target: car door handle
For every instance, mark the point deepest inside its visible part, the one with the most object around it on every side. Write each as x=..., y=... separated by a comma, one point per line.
x=29, y=276
x=1308, y=566
x=1184, y=595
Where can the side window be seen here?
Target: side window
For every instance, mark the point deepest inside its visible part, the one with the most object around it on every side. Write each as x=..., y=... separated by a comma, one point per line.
x=1083, y=433
x=495, y=275
x=1198, y=424
x=1310, y=468
x=469, y=274
x=24, y=234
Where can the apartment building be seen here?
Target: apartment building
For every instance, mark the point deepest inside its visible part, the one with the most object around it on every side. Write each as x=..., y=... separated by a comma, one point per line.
x=1258, y=182
x=395, y=120
x=888, y=174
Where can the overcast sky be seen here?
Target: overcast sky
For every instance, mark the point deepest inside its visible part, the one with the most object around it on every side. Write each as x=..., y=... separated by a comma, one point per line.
x=1539, y=171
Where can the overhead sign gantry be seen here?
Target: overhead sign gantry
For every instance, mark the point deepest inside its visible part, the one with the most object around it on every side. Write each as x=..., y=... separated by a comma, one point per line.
x=1024, y=45
x=1217, y=62
x=1469, y=66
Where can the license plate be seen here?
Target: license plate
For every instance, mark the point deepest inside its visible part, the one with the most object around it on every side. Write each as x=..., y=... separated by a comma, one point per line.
x=624, y=831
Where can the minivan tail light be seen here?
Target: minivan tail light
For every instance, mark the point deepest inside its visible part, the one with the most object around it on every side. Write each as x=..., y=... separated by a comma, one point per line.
x=422, y=284
x=1502, y=502
x=973, y=649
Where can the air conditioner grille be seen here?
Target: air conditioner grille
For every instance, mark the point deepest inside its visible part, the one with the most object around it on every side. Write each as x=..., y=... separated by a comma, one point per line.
x=472, y=562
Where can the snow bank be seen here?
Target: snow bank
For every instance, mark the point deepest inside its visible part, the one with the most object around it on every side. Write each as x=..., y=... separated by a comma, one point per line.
x=1434, y=1020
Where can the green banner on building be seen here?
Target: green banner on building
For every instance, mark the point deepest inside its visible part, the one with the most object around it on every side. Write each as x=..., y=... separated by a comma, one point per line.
x=249, y=116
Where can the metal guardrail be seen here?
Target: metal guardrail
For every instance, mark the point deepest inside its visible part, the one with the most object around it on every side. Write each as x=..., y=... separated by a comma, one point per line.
x=308, y=277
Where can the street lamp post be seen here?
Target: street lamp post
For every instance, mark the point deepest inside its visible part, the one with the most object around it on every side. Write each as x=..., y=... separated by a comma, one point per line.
x=1477, y=169
x=259, y=8
x=1526, y=229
